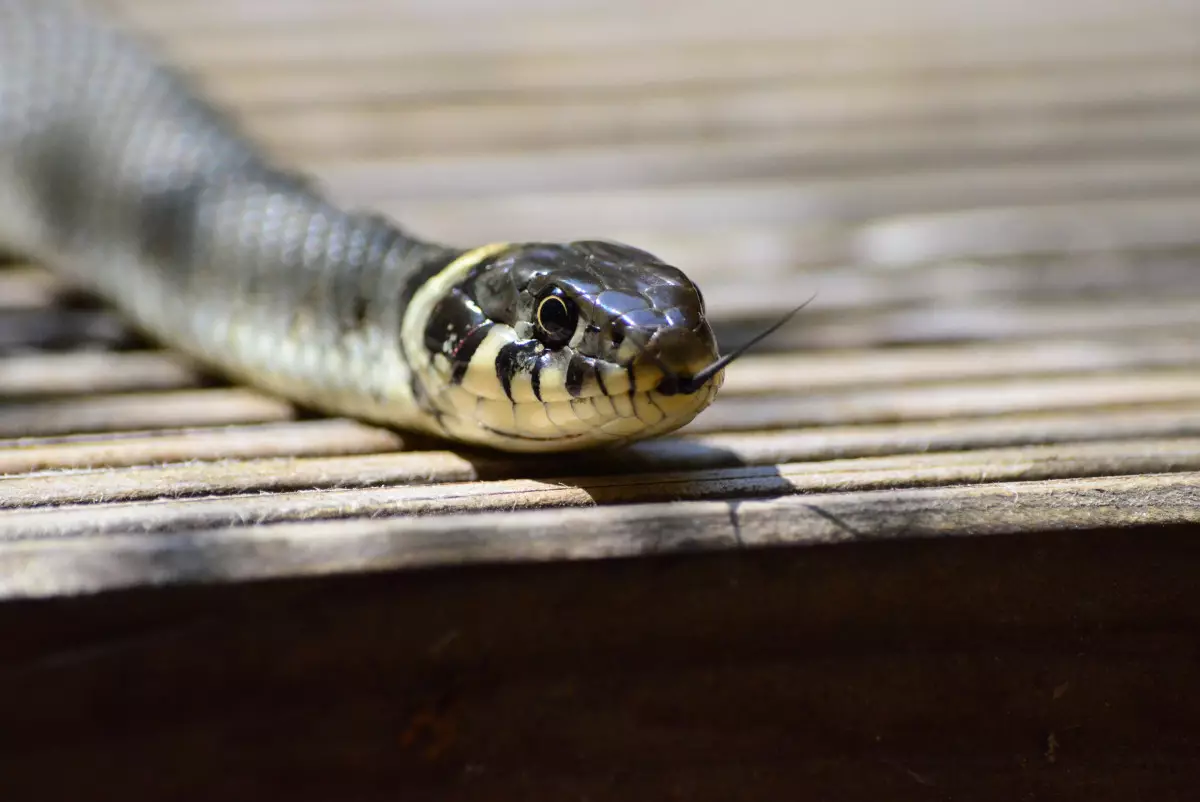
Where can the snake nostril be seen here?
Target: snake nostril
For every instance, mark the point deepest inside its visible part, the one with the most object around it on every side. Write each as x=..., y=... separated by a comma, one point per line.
x=618, y=333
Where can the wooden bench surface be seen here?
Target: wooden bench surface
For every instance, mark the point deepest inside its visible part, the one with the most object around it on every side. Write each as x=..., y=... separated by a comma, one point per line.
x=946, y=516
x=997, y=212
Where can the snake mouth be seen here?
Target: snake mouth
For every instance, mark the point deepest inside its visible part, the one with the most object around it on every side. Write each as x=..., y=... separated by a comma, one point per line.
x=681, y=385
x=602, y=421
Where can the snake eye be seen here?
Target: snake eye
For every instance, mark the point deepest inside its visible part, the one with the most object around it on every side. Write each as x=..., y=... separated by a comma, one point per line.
x=557, y=318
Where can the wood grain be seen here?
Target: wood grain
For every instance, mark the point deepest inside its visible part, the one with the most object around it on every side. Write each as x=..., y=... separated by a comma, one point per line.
x=134, y=411
x=47, y=563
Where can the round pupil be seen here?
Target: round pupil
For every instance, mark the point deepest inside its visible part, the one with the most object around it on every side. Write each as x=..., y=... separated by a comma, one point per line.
x=556, y=317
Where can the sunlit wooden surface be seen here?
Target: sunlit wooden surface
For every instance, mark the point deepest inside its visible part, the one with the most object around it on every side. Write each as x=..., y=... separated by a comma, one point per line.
x=996, y=210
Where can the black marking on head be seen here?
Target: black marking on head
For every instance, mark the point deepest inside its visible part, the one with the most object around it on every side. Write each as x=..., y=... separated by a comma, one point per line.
x=514, y=358
x=607, y=251
x=618, y=333
x=577, y=370
x=418, y=261
x=167, y=227
x=467, y=346
x=421, y=262
x=451, y=321
x=600, y=381
x=544, y=360
x=492, y=288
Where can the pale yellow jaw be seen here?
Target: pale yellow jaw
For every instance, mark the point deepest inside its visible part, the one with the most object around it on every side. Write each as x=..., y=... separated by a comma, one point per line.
x=479, y=410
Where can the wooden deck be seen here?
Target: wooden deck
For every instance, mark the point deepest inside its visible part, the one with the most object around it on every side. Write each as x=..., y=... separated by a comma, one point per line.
x=937, y=541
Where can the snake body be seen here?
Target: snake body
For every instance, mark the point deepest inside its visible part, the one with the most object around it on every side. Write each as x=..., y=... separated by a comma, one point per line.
x=119, y=175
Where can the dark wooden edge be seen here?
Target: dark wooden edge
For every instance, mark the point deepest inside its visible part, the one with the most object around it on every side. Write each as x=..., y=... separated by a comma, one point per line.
x=1053, y=665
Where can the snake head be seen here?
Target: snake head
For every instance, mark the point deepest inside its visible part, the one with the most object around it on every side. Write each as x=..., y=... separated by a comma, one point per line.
x=544, y=346
x=617, y=305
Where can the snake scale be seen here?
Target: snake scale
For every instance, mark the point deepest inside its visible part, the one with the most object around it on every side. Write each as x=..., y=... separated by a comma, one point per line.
x=120, y=176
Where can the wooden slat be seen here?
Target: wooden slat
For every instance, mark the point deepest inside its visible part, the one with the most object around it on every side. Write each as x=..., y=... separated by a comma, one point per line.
x=1028, y=321
x=25, y=288
x=77, y=373
x=103, y=450
x=402, y=74
x=783, y=203
x=210, y=19
x=666, y=25
x=48, y=567
x=808, y=373
x=933, y=401
x=800, y=154
x=1104, y=229
x=140, y=410
x=248, y=479
x=536, y=123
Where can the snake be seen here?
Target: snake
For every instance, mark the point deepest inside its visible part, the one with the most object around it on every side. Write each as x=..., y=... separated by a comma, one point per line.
x=122, y=178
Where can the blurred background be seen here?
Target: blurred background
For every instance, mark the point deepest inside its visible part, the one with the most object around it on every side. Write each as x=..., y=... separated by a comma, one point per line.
x=934, y=170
